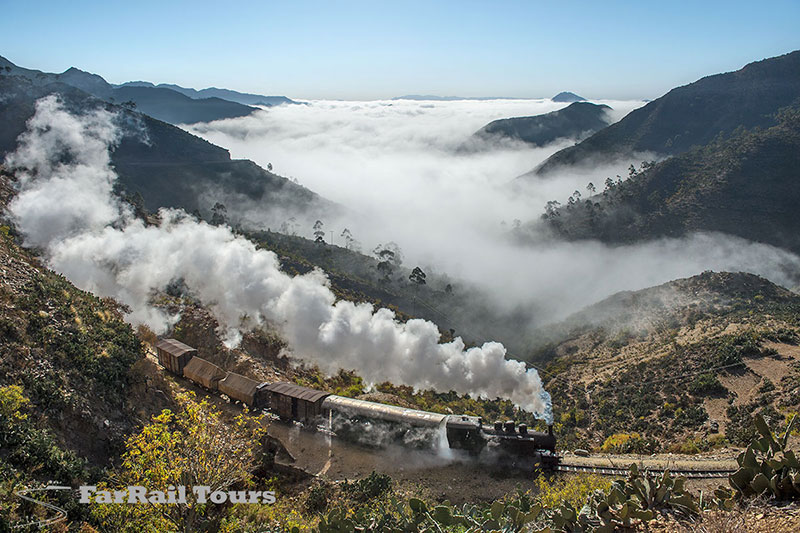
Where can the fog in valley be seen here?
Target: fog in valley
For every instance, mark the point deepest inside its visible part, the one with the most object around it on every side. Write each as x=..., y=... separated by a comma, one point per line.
x=399, y=169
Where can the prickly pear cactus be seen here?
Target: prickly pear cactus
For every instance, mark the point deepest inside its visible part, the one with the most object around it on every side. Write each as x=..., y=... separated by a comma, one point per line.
x=766, y=466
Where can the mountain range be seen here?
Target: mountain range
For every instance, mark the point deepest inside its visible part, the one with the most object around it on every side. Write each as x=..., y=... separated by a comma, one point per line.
x=214, y=92
x=682, y=367
x=745, y=185
x=170, y=103
x=691, y=115
x=166, y=165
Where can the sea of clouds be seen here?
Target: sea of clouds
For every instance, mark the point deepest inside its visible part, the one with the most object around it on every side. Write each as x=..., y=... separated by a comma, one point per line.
x=396, y=165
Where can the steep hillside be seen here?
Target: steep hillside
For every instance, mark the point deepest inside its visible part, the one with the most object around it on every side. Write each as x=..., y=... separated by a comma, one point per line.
x=574, y=121
x=73, y=357
x=75, y=381
x=166, y=165
x=683, y=365
x=746, y=185
x=214, y=92
x=163, y=104
x=692, y=115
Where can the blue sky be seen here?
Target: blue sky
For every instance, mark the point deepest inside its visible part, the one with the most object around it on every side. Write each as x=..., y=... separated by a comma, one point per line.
x=375, y=49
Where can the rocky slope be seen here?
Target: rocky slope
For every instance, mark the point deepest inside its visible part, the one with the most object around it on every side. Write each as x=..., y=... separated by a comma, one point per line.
x=74, y=357
x=684, y=365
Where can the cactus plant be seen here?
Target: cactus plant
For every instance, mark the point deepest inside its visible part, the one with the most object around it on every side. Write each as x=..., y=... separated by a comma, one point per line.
x=766, y=466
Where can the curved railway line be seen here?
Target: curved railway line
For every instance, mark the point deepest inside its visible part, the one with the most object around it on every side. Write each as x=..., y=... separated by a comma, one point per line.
x=60, y=514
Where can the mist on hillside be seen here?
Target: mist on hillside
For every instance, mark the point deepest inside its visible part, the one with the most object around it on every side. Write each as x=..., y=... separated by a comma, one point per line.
x=396, y=166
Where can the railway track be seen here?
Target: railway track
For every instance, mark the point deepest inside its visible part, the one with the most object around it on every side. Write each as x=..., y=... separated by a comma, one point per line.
x=623, y=471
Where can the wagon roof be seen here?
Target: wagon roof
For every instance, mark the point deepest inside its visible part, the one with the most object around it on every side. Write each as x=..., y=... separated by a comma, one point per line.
x=200, y=368
x=296, y=391
x=240, y=383
x=173, y=346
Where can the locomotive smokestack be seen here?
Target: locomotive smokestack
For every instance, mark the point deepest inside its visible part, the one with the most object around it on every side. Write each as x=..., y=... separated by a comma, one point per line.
x=550, y=430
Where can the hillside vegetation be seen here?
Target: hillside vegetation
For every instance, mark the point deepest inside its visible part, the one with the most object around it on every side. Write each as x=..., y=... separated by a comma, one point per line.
x=78, y=391
x=692, y=115
x=71, y=380
x=679, y=367
x=745, y=185
x=579, y=119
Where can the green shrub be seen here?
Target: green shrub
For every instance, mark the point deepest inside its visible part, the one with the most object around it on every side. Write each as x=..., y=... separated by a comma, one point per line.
x=629, y=443
x=318, y=496
x=372, y=486
x=706, y=385
x=740, y=429
x=573, y=489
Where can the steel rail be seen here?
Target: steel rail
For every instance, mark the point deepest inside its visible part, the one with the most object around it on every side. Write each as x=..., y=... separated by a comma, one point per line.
x=624, y=471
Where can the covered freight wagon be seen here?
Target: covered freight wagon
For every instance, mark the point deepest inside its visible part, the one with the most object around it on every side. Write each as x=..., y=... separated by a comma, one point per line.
x=293, y=402
x=239, y=388
x=174, y=355
x=203, y=373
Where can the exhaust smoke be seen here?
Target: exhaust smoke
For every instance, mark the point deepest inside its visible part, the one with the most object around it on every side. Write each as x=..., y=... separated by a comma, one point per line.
x=65, y=206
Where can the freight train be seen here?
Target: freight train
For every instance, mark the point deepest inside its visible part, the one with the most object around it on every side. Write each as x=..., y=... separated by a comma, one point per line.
x=365, y=422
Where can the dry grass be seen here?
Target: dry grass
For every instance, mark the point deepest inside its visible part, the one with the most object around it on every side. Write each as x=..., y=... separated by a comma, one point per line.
x=754, y=516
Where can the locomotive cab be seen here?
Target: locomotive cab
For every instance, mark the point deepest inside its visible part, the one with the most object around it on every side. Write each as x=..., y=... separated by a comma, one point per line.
x=464, y=433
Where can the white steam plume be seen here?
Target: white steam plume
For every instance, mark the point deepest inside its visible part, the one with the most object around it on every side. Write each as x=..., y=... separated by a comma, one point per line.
x=65, y=206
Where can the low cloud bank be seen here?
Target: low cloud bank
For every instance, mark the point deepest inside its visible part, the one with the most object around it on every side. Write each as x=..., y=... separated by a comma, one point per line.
x=396, y=166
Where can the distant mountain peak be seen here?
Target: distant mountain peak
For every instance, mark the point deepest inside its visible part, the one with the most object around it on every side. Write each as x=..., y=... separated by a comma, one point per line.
x=567, y=96
x=86, y=81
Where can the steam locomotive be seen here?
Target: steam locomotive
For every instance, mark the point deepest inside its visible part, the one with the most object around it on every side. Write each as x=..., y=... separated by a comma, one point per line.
x=368, y=423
